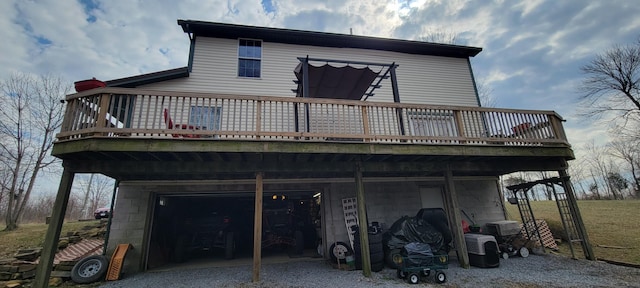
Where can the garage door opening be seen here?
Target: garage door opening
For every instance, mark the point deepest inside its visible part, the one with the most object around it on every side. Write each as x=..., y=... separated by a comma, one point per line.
x=217, y=228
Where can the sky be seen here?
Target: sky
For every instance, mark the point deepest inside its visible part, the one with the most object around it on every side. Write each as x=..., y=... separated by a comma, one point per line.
x=531, y=58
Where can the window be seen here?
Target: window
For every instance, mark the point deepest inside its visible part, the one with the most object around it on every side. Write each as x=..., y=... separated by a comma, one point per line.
x=208, y=118
x=249, y=58
x=433, y=124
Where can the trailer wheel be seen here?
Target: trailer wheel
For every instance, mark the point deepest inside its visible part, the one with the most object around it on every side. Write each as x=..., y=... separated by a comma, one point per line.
x=339, y=252
x=90, y=269
x=523, y=252
x=400, y=273
x=413, y=278
x=505, y=255
x=441, y=277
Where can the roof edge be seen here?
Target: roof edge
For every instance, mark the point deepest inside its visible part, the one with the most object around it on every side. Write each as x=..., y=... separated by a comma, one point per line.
x=149, y=78
x=302, y=37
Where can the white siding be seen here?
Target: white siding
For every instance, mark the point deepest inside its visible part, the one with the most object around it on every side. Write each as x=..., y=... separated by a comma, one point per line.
x=421, y=79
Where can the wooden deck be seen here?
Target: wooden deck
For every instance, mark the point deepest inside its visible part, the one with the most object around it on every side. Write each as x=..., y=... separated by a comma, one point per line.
x=124, y=133
x=120, y=112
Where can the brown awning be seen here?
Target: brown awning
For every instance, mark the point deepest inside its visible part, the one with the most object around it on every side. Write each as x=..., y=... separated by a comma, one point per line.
x=327, y=81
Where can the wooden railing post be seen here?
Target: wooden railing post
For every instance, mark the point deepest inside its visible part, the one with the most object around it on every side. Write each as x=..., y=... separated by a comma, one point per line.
x=103, y=108
x=558, y=130
x=459, y=123
x=365, y=124
x=258, y=118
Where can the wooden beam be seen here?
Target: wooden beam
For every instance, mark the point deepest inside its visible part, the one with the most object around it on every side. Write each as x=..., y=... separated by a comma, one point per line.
x=451, y=197
x=362, y=222
x=257, y=229
x=573, y=207
x=146, y=145
x=131, y=170
x=53, y=231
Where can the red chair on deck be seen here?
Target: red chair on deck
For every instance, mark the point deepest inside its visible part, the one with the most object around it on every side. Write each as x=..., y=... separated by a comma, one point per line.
x=171, y=125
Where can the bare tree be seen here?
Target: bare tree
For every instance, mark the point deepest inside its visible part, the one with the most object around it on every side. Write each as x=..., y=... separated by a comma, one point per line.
x=30, y=114
x=629, y=152
x=442, y=36
x=578, y=177
x=96, y=193
x=612, y=84
x=485, y=93
x=600, y=166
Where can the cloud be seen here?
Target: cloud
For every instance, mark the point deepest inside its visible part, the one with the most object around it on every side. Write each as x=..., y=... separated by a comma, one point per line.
x=532, y=50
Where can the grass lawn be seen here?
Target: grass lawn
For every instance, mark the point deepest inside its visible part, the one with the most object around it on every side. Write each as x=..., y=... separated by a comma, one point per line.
x=31, y=235
x=614, y=223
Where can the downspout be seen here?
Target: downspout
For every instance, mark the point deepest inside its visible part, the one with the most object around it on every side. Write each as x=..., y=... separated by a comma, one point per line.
x=396, y=97
x=113, y=200
x=305, y=91
x=192, y=48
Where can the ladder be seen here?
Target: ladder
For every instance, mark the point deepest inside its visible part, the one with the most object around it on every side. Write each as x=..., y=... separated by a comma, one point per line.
x=526, y=213
x=568, y=215
x=567, y=206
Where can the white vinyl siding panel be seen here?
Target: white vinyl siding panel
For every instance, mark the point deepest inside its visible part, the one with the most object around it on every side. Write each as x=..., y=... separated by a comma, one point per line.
x=422, y=79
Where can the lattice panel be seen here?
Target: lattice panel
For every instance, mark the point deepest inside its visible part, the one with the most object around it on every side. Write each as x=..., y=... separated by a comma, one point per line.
x=545, y=233
x=350, y=209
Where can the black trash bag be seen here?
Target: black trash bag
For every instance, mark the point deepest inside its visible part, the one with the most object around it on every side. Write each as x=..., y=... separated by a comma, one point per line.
x=437, y=218
x=417, y=254
x=412, y=229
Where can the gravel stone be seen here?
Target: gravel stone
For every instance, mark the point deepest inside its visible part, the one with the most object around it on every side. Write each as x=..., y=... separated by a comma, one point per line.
x=546, y=270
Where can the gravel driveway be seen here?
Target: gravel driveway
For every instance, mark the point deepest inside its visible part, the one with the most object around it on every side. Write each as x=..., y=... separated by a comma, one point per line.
x=535, y=271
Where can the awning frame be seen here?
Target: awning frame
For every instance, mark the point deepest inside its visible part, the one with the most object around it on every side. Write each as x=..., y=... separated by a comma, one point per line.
x=389, y=72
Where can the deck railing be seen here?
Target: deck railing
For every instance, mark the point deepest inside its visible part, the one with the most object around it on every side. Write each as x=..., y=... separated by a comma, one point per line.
x=121, y=112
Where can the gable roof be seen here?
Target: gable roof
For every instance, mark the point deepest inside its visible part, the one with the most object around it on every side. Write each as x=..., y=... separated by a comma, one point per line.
x=300, y=37
x=159, y=76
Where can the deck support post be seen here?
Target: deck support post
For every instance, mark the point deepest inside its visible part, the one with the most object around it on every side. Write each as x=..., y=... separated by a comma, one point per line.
x=362, y=222
x=451, y=199
x=257, y=229
x=575, y=211
x=50, y=246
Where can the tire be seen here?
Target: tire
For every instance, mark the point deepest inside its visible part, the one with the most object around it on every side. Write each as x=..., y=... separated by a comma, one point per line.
x=229, y=246
x=375, y=249
x=377, y=257
x=413, y=278
x=441, y=277
x=299, y=246
x=400, y=273
x=375, y=238
x=338, y=252
x=505, y=255
x=90, y=269
x=523, y=252
x=388, y=258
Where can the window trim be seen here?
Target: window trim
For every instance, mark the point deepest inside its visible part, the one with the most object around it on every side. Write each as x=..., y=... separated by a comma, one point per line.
x=427, y=117
x=238, y=58
x=217, y=117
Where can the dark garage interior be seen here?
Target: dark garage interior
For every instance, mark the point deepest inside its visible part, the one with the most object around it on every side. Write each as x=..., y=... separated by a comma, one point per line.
x=217, y=227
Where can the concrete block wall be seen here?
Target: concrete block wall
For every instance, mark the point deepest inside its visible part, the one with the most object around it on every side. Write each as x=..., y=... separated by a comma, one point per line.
x=480, y=199
x=388, y=201
x=129, y=224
